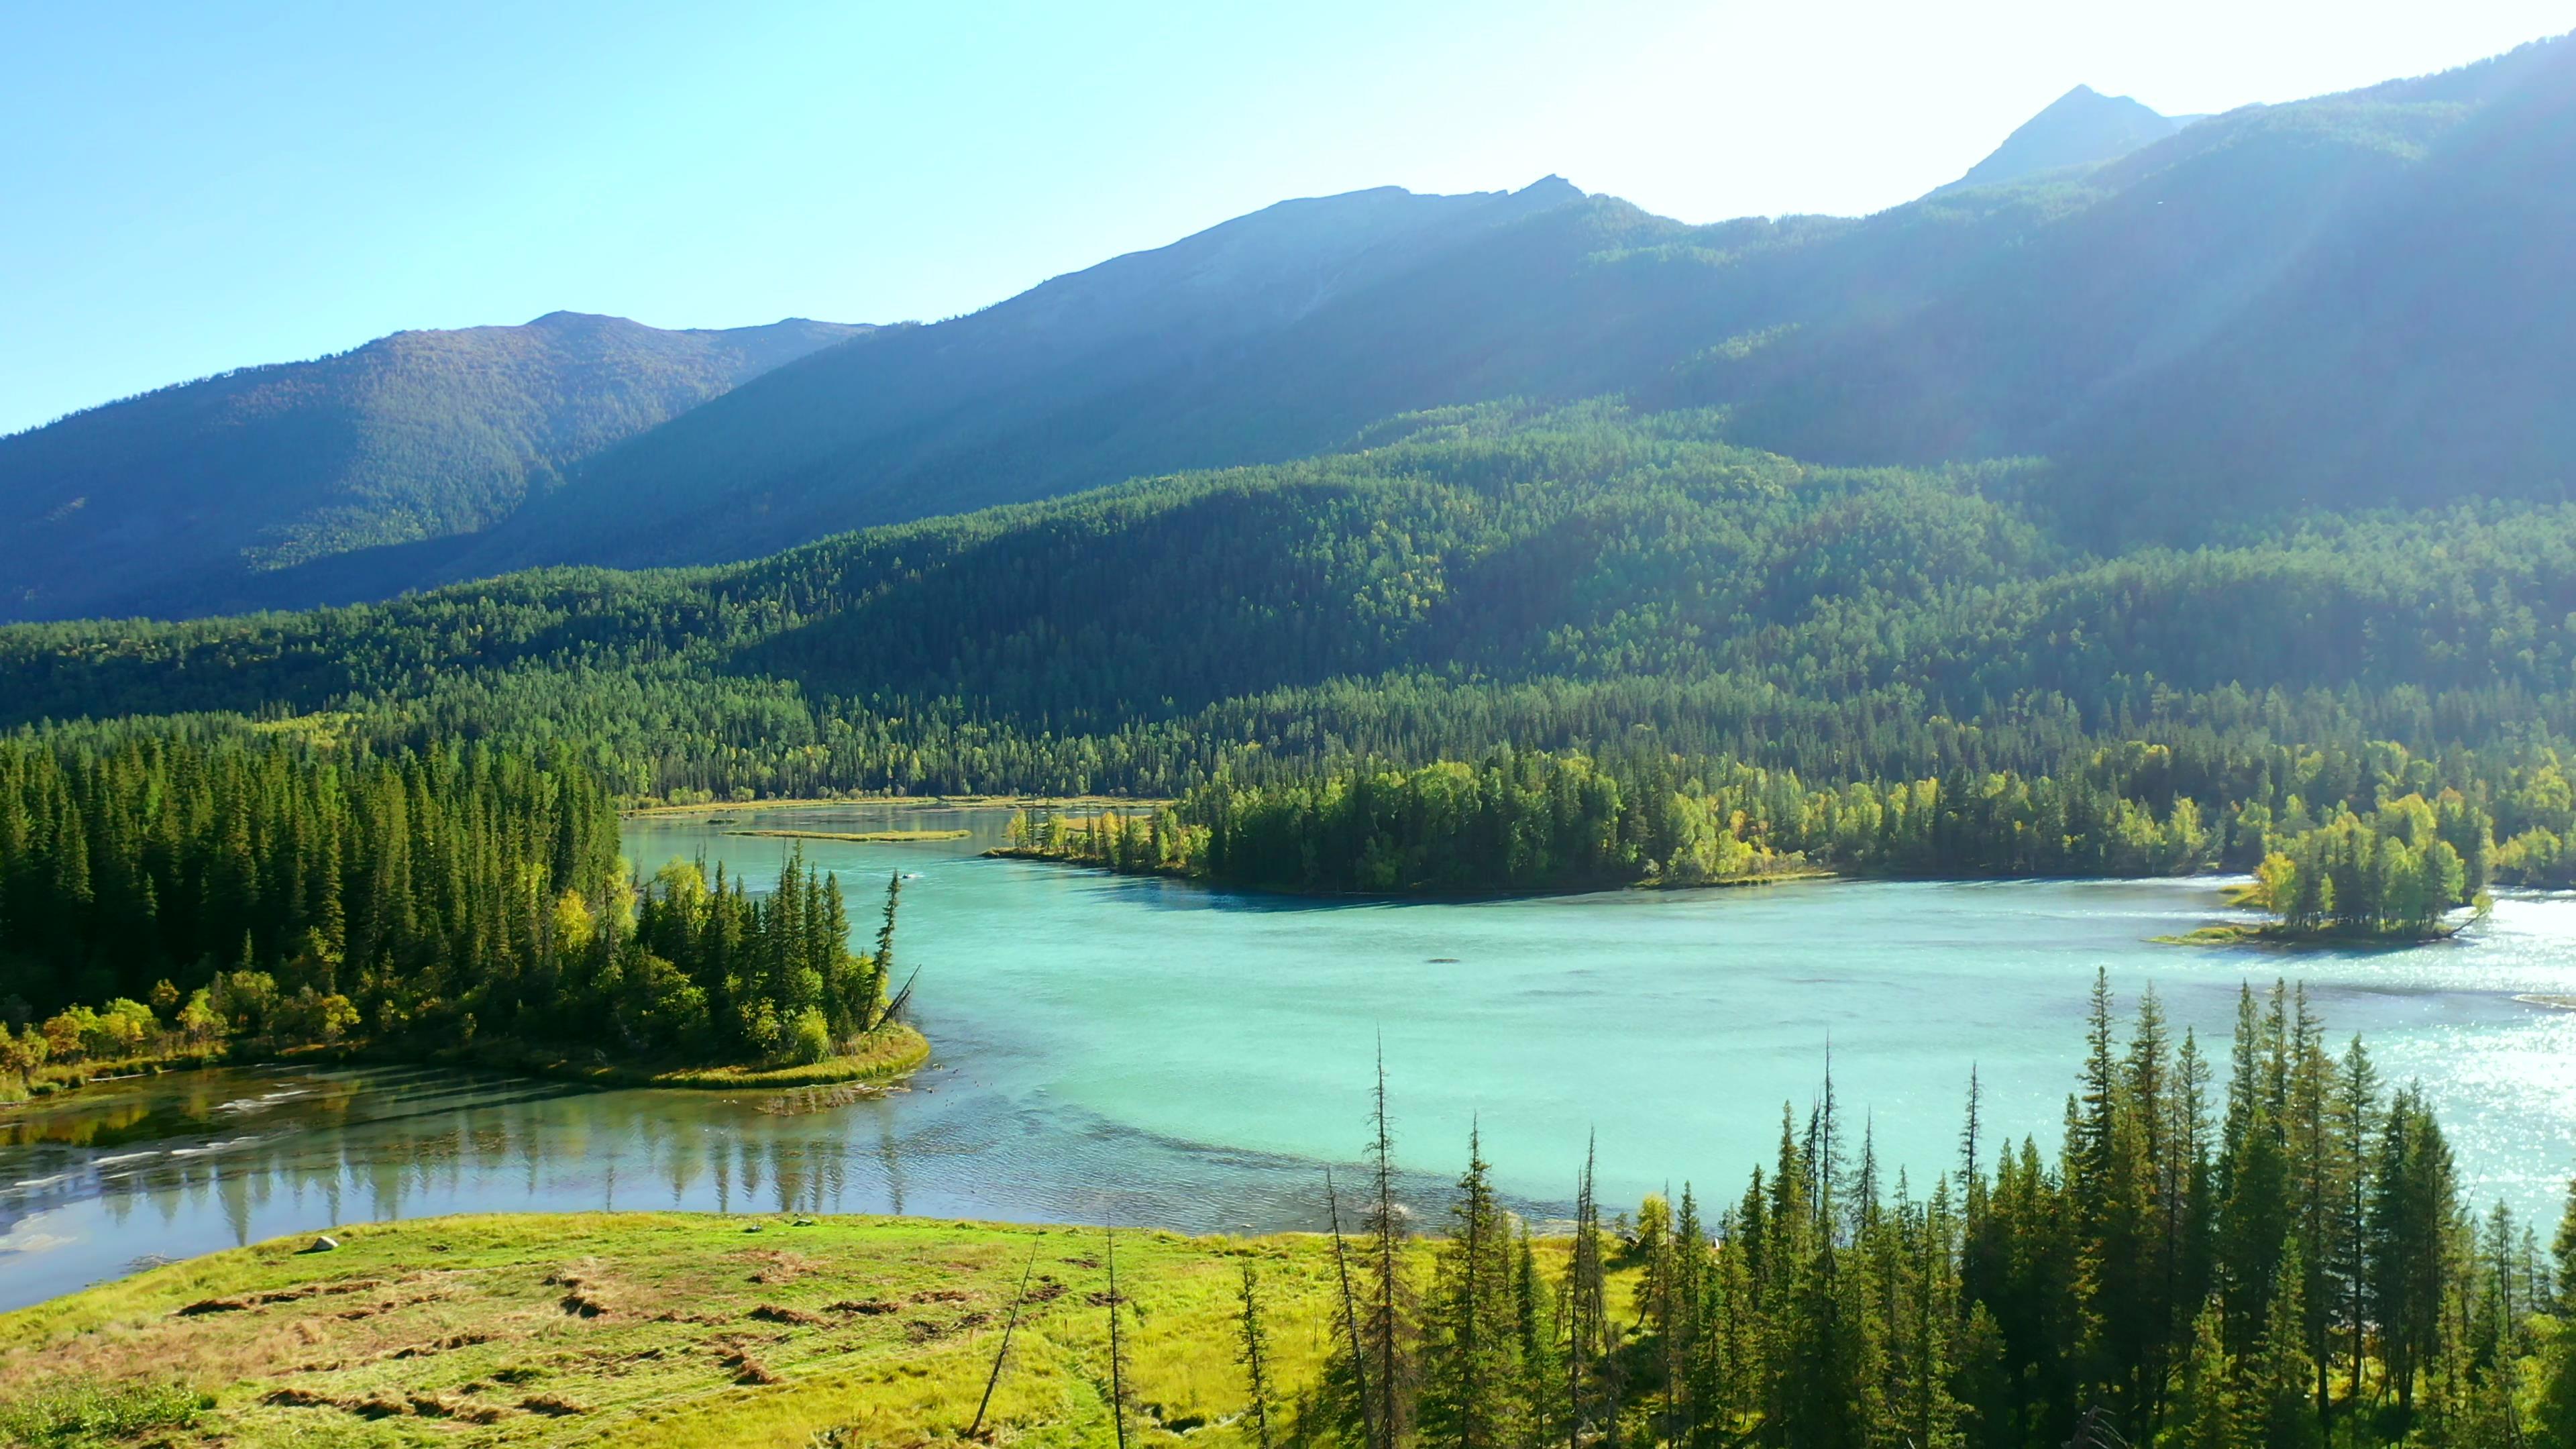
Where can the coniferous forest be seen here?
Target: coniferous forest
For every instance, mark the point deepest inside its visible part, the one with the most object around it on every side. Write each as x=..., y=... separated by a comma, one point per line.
x=2170, y=496
x=1762, y=637
x=166, y=893
x=2276, y=1249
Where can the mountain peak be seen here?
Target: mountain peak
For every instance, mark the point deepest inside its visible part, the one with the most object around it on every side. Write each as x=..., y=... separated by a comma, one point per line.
x=2080, y=128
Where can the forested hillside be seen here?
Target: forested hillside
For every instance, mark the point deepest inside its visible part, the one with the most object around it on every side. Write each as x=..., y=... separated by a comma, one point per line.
x=210, y=495
x=1586, y=580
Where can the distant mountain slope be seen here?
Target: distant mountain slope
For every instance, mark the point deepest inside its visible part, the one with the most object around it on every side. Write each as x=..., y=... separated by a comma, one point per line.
x=2423, y=352
x=176, y=499
x=2351, y=301
x=1080, y=381
x=1544, y=293
x=2032, y=316
x=2080, y=128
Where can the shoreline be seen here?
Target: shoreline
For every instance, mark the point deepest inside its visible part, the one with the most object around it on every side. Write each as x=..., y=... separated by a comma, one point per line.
x=905, y=802
x=1182, y=874
x=858, y=837
x=901, y=1051
x=2229, y=933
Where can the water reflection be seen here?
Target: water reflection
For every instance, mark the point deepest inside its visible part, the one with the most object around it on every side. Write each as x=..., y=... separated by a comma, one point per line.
x=98, y=1182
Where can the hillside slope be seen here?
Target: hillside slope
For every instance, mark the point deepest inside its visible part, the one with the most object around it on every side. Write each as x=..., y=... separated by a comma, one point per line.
x=2343, y=303
x=2198, y=290
x=1479, y=578
x=1080, y=381
x=180, y=500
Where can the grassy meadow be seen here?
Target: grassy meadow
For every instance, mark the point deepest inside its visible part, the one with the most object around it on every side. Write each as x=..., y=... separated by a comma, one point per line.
x=661, y=1330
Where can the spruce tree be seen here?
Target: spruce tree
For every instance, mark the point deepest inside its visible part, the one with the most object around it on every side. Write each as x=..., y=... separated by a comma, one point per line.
x=1254, y=1355
x=1470, y=1374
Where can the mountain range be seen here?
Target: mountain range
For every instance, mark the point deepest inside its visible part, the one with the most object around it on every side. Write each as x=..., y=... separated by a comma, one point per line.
x=2202, y=325
x=184, y=499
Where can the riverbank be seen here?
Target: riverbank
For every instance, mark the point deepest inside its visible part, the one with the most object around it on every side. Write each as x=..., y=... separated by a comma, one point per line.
x=1169, y=871
x=889, y=1053
x=52, y=1079
x=666, y=1329
x=861, y=837
x=921, y=802
x=2233, y=933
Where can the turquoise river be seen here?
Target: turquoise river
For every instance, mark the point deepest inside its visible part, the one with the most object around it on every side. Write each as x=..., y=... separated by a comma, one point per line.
x=1157, y=1053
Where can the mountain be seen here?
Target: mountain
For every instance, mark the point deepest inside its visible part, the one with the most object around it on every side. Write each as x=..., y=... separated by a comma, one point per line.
x=2080, y=128
x=191, y=497
x=1152, y=361
x=2062, y=314
x=2349, y=302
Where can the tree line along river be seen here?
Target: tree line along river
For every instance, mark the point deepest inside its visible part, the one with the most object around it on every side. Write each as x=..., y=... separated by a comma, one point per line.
x=1159, y=1053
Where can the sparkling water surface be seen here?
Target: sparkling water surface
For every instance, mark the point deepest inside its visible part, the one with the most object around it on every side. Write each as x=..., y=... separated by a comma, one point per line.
x=1160, y=1053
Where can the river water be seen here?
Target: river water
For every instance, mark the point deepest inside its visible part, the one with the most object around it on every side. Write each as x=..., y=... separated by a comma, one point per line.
x=1160, y=1053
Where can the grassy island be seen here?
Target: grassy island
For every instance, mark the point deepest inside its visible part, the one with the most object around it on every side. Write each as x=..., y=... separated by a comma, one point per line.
x=886, y=1052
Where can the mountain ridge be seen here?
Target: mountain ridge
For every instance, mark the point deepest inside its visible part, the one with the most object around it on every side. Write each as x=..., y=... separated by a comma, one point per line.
x=2076, y=312
x=207, y=484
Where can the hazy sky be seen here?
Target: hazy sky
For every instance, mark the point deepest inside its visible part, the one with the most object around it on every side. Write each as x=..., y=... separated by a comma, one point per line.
x=190, y=187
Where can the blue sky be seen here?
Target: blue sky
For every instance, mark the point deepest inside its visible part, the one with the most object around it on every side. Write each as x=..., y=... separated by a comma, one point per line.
x=190, y=187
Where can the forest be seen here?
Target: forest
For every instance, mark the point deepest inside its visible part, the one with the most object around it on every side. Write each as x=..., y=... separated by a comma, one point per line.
x=1531, y=821
x=160, y=896
x=1582, y=580
x=2275, y=1249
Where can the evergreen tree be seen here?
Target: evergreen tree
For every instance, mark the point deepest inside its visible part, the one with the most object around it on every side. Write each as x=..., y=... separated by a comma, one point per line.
x=1471, y=1375
x=1254, y=1355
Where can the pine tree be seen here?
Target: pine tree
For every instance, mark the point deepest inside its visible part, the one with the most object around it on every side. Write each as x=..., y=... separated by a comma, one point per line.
x=2277, y=1411
x=1254, y=1355
x=1591, y=1371
x=1470, y=1375
x=1387, y=1329
x=1346, y=1368
x=1117, y=1342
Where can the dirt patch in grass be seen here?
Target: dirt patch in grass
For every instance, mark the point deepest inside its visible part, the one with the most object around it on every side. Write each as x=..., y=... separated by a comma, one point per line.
x=778, y=1266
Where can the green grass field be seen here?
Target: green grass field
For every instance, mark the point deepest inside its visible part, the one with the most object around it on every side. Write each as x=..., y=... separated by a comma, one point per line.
x=659, y=1329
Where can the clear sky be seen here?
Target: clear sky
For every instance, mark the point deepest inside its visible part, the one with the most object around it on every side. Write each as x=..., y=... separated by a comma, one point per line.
x=187, y=187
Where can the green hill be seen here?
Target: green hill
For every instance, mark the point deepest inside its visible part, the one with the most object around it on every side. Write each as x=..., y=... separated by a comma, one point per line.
x=208, y=495
x=1471, y=579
